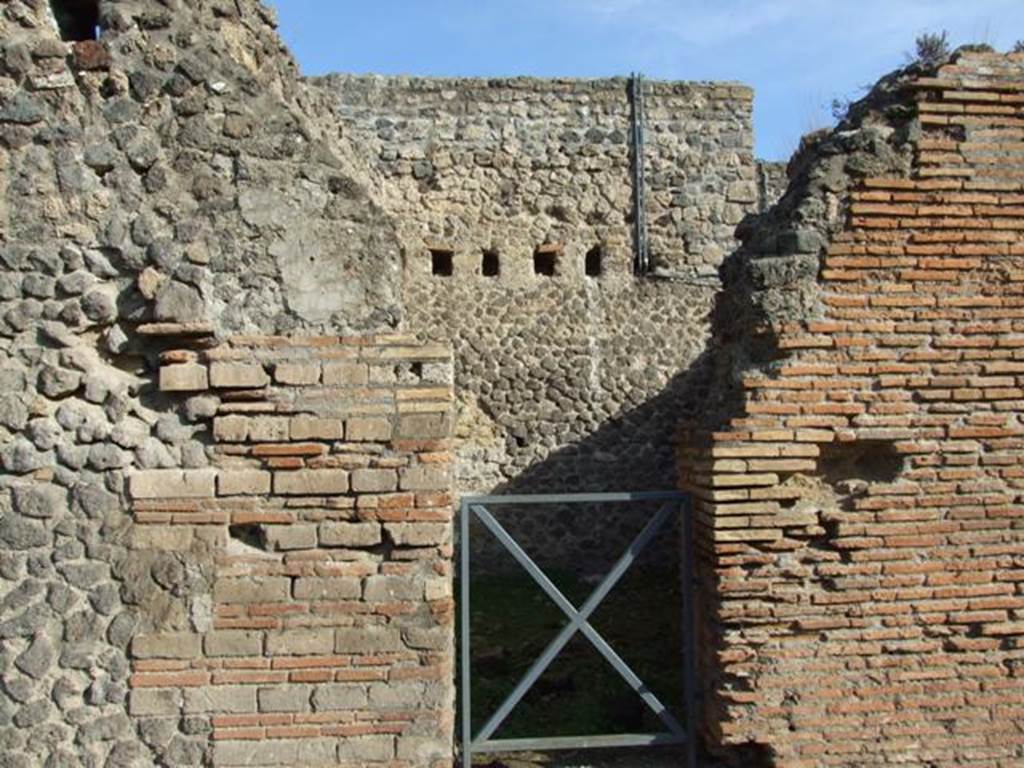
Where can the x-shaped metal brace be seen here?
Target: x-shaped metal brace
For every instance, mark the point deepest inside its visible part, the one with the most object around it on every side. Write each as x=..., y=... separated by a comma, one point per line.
x=578, y=622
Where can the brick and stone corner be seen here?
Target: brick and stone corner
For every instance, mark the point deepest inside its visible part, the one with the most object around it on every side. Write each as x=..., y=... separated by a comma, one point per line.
x=324, y=526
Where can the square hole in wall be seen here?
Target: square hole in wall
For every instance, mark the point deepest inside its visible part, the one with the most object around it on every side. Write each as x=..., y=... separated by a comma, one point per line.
x=442, y=262
x=77, y=19
x=545, y=261
x=490, y=266
x=592, y=265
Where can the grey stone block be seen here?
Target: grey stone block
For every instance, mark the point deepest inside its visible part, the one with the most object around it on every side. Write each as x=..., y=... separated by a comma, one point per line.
x=418, y=534
x=392, y=588
x=285, y=698
x=234, y=699
x=327, y=588
x=151, y=702
x=425, y=478
x=361, y=749
x=349, y=534
x=288, y=537
x=256, y=589
x=374, y=480
x=339, y=696
x=168, y=645
x=301, y=642
x=233, y=642
x=362, y=640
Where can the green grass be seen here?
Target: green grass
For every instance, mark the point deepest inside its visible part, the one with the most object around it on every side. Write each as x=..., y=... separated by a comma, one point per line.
x=512, y=621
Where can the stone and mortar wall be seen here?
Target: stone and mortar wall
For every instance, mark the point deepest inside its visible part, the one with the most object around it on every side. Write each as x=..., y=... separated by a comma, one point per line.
x=168, y=181
x=322, y=528
x=564, y=382
x=859, y=506
x=175, y=180
x=509, y=164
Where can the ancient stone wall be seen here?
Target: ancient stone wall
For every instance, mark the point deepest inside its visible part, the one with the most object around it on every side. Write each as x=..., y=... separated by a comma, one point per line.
x=230, y=549
x=566, y=376
x=174, y=180
x=510, y=164
x=168, y=181
x=859, y=495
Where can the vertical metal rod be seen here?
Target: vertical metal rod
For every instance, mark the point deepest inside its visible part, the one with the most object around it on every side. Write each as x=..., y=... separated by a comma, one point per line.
x=689, y=641
x=640, y=259
x=467, y=724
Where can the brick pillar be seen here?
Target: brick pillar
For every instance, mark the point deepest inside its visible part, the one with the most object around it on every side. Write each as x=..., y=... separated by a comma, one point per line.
x=327, y=519
x=859, y=515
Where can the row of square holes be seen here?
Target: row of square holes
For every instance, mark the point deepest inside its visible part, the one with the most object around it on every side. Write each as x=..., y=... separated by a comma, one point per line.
x=545, y=263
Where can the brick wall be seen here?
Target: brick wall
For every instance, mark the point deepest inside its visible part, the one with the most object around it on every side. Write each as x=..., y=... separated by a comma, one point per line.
x=860, y=522
x=324, y=528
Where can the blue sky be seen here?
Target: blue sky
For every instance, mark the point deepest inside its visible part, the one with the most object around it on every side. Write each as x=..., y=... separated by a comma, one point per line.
x=797, y=54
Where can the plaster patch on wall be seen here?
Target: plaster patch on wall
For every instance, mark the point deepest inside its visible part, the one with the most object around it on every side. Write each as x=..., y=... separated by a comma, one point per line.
x=316, y=284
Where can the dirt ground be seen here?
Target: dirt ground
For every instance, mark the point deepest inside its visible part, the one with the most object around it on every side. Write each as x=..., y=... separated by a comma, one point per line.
x=602, y=758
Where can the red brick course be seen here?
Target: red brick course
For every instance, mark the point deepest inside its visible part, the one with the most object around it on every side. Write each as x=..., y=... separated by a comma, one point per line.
x=863, y=599
x=333, y=618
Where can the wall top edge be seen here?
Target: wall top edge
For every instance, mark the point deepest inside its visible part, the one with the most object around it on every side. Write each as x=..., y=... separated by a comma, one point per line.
x=735, y=89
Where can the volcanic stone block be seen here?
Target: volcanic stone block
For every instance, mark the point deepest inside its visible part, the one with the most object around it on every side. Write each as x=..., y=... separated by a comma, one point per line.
x=268, y=429
x=362, y=640
x=424, y=425
x=297, y=374
x=392, y=588
x=172, y=483
x=327, y=588
x=345, y=374
x=360, y=749
x=301, y=642
x=221, y=698
x=417, y=534
x=238, y=375
x=170, y=645
x=285, y=698
x=339, y=696
x=284, y=752
x=313, y=428
x=252, y=589
x=349, y=534
x=184, y=377
x=311, y=482
x=231, y=429
x=243, y=482
x=233, y=642
x=374, y=480
x=145, y=702
x=424, y=478
x=287, y=537
x=421, y=750
x=369, y=428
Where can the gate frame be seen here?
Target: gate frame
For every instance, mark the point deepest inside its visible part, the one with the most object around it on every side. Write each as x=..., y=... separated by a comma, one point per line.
x=476, y=506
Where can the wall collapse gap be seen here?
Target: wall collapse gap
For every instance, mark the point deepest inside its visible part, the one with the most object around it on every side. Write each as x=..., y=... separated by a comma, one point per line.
x=874, y=461
x=249, y=534
x=490, y=266
x=77, y=19
x=442, y=263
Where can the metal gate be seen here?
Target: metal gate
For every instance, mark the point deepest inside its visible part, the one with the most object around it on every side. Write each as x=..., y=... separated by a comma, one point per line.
x=671, y=503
